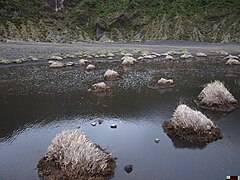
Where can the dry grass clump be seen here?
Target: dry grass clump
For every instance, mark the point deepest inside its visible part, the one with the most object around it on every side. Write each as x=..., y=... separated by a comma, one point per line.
x=83, y=61
x=169, y=57
x=90, y=67
x=216, y=97
x=162, y=84
x=72, y=156
x=111, y=75
x=56, y=64
x=128, y=61
x=232, y=62
x=100, y=87
x=199, y=54
x=165, y=83
x=184, y=116
x=55, y=57
x=191, y=125
x=186, y=56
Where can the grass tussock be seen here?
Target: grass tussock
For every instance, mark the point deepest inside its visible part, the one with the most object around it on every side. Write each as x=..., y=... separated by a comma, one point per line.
x=73, y=156
x=191, y=126
x=100, y=87
x=216, y=97
x=184, y=116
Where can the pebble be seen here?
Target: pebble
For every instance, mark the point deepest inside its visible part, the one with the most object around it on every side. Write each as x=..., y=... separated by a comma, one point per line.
x=100, y=121
x=157, y=140
x=128, y=168
x=93, y=123
x=113, y=126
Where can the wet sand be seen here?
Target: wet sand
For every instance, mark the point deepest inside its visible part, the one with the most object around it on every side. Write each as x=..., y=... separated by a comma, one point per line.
x=13, y=50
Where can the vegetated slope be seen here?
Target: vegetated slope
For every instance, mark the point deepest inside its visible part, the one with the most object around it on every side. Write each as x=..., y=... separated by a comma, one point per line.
x=120, y=20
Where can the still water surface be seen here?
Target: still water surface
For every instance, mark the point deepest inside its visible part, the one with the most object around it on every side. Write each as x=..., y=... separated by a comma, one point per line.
x=36, y=103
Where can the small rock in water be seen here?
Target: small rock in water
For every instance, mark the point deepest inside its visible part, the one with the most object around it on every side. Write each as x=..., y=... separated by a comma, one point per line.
x=93, y=123
x=157, y=140
x=128, y=168
x=100, y=121
x=113, y=126
x=70, y=64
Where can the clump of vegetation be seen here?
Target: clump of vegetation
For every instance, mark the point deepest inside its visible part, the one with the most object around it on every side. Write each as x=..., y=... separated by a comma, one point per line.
x=216, y=97
x=56, y=64
x=72, y=156
x=128, y=61
x=192, y=126
x=162, y=84
x=111, y=75
x=232, y=62
x=100, y=87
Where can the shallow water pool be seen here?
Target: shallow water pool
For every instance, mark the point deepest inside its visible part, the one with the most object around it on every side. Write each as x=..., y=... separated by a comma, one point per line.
x=36, y=103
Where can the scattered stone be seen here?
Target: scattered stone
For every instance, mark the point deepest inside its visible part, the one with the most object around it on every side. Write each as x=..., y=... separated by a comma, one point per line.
x=111, y=75
x=169, y=57
x=70, y=64
x=110, y=58
x=192, y=126
x=128, y=168
x=140, y=58
x=201, y=54
x=90, y=67
x=216, y=97
x=186, y=56
x=93, y=123
x=100, y=87
x=157, y=140
x=89, y=57
x=55, y=57
x=232, y=62
x=56, y=64
x=113, y=126
x=73, y=156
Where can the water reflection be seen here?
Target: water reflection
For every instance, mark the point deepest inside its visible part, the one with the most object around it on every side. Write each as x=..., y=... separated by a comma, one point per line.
x=37, y=102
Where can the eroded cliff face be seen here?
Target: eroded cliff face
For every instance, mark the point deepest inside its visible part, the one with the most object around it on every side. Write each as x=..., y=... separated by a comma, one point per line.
x=83, y=20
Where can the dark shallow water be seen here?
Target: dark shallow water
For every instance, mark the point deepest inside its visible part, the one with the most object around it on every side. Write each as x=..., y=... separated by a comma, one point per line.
x=36, y=103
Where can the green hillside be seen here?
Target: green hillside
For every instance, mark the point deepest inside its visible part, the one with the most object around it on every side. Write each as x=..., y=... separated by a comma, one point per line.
x=120, y=20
